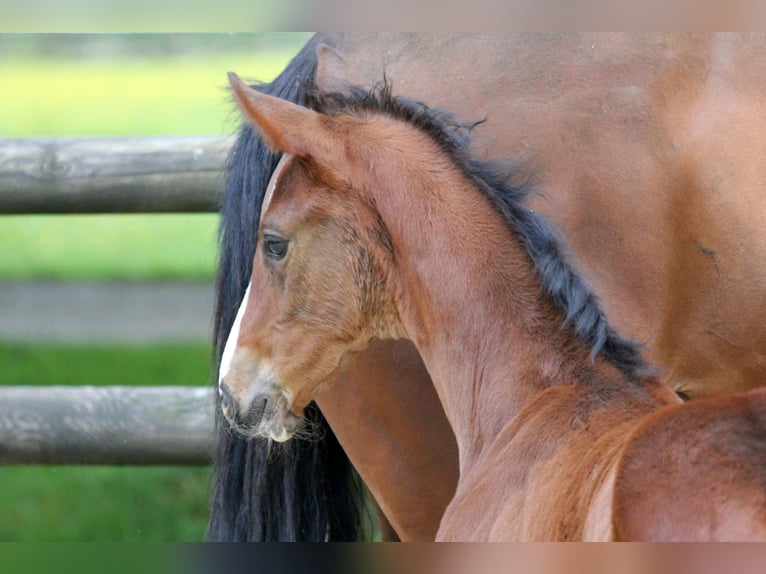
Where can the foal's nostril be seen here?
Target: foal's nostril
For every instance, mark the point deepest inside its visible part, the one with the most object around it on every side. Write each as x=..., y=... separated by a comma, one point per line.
x=243, y=419
x=255, y=412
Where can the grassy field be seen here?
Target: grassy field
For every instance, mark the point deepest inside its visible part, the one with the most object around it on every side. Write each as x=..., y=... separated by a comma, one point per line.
x=84, y=503
x=185, y=95
x=168, y=364
x=124, y=95
x=103, y=504
x=96, y=247
x=127, y=95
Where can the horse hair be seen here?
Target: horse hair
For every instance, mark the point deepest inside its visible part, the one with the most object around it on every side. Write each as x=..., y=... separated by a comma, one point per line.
x=560, y=281
x=305, y=489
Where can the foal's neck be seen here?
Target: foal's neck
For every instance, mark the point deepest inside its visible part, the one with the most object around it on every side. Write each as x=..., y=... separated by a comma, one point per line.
x=469, y=297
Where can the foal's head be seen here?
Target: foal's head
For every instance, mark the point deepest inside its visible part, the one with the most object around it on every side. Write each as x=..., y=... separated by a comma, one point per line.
x=318, y=287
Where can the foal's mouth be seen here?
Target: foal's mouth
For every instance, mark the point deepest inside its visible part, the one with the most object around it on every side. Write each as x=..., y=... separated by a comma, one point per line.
x=266, y=417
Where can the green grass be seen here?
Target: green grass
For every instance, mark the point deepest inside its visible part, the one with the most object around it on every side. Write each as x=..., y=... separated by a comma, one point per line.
x=119, y=96
x=96, y=247
x=126, y=96
x=84, y=503
x=167, y=364
x=105, y=504
x=112, y=97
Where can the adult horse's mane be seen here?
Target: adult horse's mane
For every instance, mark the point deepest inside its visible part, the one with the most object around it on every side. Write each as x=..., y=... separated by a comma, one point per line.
x=302, y=490
x=560, y=281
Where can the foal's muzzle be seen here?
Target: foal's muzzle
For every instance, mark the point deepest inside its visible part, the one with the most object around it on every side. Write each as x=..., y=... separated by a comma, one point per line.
x=265, y=416
x=244, y=421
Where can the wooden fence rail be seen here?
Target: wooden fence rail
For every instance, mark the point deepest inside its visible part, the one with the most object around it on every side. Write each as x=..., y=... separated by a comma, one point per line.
x=109, y=425
x=112, y=175
x=106, y=425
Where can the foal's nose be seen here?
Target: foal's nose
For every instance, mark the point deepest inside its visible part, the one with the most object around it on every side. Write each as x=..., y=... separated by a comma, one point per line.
x=243, y=418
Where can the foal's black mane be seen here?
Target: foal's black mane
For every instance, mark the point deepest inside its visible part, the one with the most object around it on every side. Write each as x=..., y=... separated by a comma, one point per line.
x=560, y=281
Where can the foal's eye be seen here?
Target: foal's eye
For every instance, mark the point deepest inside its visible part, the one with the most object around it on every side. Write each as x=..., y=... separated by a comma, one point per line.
x=274, y=247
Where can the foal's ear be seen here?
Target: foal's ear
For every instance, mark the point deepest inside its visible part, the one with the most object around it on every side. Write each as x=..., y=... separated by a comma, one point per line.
x=284, y=126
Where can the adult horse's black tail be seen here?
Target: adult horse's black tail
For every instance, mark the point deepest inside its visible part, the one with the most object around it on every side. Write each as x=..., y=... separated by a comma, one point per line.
x=304, y=489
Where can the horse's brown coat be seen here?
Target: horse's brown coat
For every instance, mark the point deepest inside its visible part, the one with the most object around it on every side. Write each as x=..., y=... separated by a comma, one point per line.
x=649, y=153
x=547, y=438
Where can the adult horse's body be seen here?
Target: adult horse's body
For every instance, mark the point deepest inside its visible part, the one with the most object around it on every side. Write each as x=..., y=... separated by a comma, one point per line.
x=381, y=226
x=648, y=151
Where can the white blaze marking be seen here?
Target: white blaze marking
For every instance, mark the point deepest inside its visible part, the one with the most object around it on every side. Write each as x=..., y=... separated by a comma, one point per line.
x=231, y=341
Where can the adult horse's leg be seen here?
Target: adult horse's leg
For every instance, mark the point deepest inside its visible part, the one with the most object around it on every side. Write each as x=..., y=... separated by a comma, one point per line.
x=387, y=416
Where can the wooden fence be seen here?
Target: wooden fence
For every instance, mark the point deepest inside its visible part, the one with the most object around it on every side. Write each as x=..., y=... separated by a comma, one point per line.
x=105, y=425
x=112, y=175
x=108, y=425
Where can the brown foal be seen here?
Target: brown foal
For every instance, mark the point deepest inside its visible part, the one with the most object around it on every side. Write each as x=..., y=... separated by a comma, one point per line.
x=380, y=226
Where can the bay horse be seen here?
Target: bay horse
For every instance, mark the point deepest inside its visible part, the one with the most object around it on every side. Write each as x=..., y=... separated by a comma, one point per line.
x=380, y=225
x=635, y=142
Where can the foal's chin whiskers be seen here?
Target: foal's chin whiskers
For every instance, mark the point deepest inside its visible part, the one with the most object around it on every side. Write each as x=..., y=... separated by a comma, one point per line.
x=309, y=430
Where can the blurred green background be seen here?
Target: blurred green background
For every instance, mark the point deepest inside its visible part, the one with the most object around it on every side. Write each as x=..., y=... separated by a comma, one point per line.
x=136, y=84
x=114, y=84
